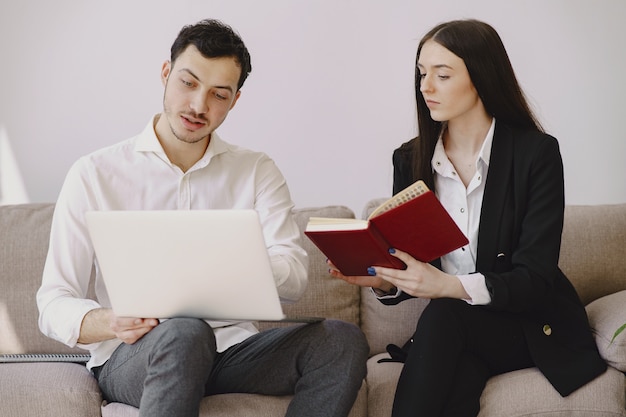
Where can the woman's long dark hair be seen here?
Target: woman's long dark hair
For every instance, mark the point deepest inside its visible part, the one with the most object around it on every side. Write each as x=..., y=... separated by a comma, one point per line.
x=481, y=49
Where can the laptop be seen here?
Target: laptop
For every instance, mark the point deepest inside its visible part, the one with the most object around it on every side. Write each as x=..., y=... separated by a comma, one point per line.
x=209, y=264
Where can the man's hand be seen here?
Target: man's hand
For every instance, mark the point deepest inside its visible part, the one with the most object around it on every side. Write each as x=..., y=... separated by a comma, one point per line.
x=129, y=329
x=102, y=324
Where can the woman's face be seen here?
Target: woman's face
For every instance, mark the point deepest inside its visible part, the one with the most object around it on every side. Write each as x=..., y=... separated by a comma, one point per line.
x=446, y=86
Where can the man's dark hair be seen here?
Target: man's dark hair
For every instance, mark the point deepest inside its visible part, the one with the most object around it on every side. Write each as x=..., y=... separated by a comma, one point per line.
x=214, y=39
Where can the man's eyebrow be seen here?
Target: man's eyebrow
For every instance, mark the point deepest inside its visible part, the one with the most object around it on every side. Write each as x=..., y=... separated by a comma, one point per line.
x=188, y=71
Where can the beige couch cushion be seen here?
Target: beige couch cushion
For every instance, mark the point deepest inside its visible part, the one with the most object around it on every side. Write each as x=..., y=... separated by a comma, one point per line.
x=382, y=379
x=239, y=405
x=48, y=389
x=522, y=393
x=592, y=249
x=606, y=315
x=383, y=324
x=528, y=393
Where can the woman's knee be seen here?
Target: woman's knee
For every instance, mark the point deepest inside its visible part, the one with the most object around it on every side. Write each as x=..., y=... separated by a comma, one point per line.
x=444, y=309
x=441, y=316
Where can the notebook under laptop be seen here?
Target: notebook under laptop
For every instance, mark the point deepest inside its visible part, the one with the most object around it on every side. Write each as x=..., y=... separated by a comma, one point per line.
x=210, y=264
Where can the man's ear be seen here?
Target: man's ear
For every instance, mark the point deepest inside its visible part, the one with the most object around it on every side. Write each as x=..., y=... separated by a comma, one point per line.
x=165, y=71
x=237, y=95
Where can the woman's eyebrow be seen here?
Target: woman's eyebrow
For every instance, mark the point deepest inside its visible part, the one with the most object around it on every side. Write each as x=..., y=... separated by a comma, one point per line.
x=436, y=66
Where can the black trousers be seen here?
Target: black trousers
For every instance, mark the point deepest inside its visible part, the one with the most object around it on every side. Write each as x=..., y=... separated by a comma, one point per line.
x=456, y=348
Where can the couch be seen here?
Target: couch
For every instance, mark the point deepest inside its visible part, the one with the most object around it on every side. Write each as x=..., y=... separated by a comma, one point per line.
x=40, y=377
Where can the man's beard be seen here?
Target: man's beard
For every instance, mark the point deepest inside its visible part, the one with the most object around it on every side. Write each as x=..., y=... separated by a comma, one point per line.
x=187, y=139
x=169, y=114
x=179, y=136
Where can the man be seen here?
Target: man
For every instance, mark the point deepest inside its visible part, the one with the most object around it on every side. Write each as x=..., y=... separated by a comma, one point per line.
x=179, y=163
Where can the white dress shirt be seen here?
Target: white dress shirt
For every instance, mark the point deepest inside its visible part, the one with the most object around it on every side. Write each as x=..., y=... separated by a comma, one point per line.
x=137, y=175
x=464, y=205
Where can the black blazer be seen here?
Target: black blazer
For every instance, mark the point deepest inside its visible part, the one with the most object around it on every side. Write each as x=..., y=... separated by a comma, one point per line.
x=519, y=240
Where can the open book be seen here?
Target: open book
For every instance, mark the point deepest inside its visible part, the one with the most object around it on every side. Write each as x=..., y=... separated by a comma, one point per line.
x=412, y=221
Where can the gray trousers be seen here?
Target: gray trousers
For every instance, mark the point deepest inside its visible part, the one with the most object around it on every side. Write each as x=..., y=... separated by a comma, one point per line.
x=170, y=370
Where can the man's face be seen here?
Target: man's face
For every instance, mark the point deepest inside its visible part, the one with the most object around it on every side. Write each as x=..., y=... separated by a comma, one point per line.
x=199, y=93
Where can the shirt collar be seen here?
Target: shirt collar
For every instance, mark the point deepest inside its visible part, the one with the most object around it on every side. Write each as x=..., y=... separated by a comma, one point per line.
x=147, y=141
x=485, y=151
x=440, y=162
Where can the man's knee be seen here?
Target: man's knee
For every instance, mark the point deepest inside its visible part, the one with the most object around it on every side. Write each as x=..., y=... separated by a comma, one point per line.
x=347, y=334
x=346, y=344
x=186, y=335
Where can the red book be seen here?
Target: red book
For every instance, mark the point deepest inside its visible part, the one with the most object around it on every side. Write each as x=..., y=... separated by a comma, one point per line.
x=412, y=221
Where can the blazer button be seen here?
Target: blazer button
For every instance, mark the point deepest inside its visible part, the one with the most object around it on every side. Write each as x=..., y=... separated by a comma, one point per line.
x=547, y=330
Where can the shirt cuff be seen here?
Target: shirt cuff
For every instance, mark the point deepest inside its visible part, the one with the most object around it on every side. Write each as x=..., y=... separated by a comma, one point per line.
x=380, y=294
x=475, y=286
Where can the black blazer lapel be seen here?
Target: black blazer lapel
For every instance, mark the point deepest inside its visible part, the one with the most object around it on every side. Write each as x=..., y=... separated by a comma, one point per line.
x=497, y=190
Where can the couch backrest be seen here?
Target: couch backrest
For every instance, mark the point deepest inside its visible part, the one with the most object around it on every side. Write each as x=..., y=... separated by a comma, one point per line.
x=24, y=234
x=325, y=296
x=593, y=254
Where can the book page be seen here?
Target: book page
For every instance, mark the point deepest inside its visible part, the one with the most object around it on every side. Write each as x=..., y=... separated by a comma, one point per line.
x=317, y=224
x=416, y=189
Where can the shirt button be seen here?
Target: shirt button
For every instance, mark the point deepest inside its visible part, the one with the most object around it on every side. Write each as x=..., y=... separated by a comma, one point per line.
x=547, y=330
x=462, y=210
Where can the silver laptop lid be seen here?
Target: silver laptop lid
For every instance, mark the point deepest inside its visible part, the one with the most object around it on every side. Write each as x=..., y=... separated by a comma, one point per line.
x=210, y=264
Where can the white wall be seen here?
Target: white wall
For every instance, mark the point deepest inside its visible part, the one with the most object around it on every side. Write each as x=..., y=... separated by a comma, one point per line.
x=330, y=95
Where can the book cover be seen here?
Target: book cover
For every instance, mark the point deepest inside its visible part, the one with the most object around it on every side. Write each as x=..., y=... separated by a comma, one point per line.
x=413, y=221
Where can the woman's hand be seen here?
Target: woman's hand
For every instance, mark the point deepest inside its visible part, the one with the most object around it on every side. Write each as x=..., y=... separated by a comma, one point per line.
x=363, y=281
x=421, y=279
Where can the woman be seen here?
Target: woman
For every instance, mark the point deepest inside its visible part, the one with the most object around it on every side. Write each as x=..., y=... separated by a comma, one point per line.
x=500, y=303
